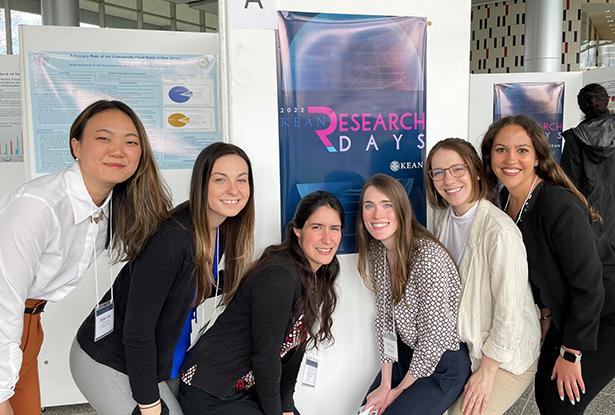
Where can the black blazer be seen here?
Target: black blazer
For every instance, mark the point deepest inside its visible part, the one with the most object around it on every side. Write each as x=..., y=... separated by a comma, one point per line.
x=571, y=267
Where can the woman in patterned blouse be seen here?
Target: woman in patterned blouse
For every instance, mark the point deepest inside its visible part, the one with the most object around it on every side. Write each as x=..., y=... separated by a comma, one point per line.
x=247, y=363
x=423, y=364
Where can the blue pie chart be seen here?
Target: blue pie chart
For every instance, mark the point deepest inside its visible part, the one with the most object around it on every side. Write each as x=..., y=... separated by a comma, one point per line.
x=180, y=94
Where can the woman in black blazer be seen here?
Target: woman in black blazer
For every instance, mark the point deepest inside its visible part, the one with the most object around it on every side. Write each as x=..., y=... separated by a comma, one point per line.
x=571, y=267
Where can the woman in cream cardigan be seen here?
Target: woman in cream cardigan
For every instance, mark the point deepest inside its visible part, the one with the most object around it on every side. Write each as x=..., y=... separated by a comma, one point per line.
x=497, y=316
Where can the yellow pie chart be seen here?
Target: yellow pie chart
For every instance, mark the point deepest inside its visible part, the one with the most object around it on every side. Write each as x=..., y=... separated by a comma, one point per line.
x=178, y=119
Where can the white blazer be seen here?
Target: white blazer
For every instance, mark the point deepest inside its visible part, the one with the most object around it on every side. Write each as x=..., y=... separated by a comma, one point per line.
x=497, y=314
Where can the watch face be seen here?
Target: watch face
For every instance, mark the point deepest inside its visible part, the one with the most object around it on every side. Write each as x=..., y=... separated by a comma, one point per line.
x=571, y=357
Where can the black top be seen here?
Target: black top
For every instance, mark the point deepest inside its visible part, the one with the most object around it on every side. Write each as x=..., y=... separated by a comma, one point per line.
x=248, y=336
x=589, y=160
x=152, y=298
x=571, y=267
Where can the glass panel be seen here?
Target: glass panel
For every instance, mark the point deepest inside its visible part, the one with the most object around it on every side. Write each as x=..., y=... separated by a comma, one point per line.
x=211, y=20
x=159, y=7
x=187, y=27
x=22, y=18
x=131, y=4
x=152, y=22
x=187, y=14
x=120, y=18
x=2, y=33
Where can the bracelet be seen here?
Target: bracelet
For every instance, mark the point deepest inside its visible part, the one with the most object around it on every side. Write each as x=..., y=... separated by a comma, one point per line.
x=149, y=406
x=546, y=317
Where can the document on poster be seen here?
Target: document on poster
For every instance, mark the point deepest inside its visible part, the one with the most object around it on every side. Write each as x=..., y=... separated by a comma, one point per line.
x=175, y=96
x=11, y=144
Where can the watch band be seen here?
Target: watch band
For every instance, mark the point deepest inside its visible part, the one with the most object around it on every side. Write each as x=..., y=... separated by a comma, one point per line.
x=569, y=356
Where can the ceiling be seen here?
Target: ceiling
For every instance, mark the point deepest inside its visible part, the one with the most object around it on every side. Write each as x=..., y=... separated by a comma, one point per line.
x=602, y=17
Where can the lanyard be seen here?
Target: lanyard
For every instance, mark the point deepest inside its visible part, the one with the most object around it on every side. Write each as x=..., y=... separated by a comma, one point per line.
x=109, y=256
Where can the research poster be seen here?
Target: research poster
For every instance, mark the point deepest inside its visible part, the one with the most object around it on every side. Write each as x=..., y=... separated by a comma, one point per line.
x=543, y=101
x=11, y=137
x=175, y=96
x=351, y=93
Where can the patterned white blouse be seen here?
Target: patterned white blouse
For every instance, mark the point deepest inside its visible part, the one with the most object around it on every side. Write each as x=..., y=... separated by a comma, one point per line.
x=426, y=317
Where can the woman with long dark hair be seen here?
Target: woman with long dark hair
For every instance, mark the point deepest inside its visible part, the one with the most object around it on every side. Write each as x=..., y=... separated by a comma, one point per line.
x=571, y=267
x=247, y=363
x=54, y=227
x=423, y=364
x=137, y=364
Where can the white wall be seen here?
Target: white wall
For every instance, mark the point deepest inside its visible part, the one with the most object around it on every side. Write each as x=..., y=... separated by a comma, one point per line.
x=481, y=98
x=346, y=369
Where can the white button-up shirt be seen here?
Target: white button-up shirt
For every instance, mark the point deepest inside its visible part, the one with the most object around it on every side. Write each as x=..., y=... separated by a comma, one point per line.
x=48, y=241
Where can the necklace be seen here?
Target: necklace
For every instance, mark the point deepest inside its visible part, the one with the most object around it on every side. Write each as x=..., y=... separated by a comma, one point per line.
x=528, y=197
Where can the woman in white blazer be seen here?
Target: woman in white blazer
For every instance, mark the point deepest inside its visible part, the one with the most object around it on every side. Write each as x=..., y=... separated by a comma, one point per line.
x=497, y=316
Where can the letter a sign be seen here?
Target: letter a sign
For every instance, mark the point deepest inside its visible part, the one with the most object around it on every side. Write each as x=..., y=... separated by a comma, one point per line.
x=253, y=14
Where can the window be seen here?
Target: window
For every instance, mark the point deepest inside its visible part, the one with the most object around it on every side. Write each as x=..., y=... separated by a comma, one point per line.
x=22, y=18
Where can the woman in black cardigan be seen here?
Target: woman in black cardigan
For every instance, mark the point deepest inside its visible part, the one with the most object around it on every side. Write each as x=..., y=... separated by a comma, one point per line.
x=571, y=267
x=247, y=363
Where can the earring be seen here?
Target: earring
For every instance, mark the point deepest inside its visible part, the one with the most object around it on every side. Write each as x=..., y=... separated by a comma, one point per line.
x=76, y=159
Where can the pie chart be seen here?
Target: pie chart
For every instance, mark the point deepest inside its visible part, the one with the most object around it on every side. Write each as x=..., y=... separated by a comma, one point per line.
x=180, y=94
x=178, y=119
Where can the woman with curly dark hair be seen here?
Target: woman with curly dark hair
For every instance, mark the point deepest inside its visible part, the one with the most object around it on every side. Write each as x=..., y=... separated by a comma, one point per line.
x=571, y=267
x=248, y=362
x=589, y=155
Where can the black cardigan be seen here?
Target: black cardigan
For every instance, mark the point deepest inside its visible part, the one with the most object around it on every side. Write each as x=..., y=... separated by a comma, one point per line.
x=249, y=334
x=152, y=298
x=571, y=267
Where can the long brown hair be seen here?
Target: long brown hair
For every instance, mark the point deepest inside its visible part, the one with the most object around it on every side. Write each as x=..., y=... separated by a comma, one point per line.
x=318, y=300
x=467, y=152
x=547, y=168
x=237, y=233
x=408, y=232
x=139, y=204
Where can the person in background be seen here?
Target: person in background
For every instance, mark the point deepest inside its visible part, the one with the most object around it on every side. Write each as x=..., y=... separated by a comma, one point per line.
x=248, y=362
x=137, y=365
x=497, y=315
x=423, y=364
x=589, y=155
x=55, y=226
x=571, y=266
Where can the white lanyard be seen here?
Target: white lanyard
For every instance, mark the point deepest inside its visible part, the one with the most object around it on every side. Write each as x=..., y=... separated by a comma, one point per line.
x=528, y=197
x=103, y=313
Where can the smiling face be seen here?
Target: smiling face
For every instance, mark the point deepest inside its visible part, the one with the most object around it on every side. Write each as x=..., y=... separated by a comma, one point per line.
x=379, y=216
x=108, y=151
x=320, y=236
x=228, y=189
x=456, y=191
x=513, y=159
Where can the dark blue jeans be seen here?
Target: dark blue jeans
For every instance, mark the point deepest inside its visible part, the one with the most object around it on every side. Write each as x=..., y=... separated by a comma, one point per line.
x=432, y=395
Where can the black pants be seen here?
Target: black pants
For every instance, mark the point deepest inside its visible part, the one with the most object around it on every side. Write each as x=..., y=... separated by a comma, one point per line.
x=597, y=368
x=432, y=395
x=195, y=401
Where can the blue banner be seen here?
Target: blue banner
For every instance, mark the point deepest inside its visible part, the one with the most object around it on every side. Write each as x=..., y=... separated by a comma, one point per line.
x=543, y=101
x=351, y=92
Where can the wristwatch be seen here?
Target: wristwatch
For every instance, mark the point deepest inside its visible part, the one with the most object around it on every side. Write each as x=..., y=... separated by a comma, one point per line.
x=569, y=356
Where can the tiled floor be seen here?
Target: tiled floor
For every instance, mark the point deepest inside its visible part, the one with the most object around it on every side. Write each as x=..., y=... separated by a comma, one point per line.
x=604, y=404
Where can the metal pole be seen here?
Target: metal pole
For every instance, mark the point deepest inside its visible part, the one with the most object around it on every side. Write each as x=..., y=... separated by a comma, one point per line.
x=60, y=12
x=7, y=27
x=543, y=35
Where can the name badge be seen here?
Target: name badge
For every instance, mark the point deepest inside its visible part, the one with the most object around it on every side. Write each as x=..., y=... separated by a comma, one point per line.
x=390, y=345
x=103, y=324
x=309, y=371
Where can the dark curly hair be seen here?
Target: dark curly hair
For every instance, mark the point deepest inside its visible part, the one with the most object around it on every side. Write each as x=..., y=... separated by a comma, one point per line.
x=593, y=101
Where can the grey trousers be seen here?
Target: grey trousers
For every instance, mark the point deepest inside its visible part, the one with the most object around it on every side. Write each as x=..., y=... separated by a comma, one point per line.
x=108, y=390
